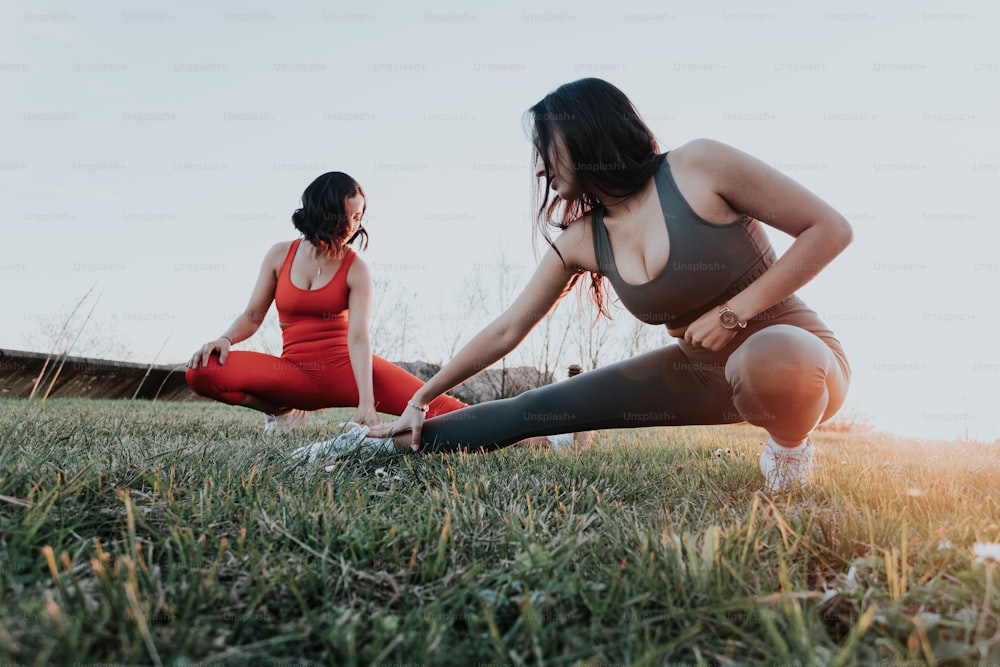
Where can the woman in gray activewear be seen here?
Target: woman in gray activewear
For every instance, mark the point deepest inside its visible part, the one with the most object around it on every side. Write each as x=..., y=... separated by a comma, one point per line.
x=680, y=237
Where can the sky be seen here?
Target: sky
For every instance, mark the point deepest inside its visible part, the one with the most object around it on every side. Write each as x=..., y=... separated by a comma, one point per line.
x=150, y=154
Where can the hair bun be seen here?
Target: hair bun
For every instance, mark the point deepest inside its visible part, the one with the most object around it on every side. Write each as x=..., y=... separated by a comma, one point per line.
x=322, y=220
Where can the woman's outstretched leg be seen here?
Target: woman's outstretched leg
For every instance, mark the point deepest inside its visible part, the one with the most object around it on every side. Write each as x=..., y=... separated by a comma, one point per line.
x=782, y=378
x=659, y=388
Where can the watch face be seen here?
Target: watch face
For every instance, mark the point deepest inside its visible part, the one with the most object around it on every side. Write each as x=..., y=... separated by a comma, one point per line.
x=729, y=319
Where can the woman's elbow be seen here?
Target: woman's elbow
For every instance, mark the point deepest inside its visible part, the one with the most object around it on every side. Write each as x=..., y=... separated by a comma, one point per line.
x=249, y=321
x=840, y=232
x=358, y=340
x=846, y=232
x=507, y=335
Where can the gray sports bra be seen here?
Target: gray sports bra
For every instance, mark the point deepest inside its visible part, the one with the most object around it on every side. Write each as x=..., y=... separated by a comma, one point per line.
x=708, y=263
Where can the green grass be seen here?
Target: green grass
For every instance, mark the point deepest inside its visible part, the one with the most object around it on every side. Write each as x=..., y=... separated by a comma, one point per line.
x=157, y=533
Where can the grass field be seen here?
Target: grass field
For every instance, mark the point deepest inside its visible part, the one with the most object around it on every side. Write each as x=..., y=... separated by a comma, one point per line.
x=157, y=533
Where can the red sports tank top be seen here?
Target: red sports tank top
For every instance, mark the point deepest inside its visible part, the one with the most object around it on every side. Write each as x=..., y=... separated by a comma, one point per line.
x=310, y=316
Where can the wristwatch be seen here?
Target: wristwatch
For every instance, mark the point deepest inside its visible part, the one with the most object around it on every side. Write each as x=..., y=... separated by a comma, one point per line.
x=729, y=319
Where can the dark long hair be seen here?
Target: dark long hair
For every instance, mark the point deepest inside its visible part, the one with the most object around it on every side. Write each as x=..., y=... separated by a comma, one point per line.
x=613, y=152
x=323, y=216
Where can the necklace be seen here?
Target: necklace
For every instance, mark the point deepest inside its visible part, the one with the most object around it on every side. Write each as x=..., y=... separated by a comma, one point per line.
x=316, y=257
x=320, y=265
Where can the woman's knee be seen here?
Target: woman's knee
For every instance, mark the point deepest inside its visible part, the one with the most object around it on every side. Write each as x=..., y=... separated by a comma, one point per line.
x=444, y=404
x=203, y=381
x=780, y=359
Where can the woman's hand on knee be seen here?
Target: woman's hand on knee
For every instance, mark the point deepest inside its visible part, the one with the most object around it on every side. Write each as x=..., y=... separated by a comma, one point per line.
x=200, y=358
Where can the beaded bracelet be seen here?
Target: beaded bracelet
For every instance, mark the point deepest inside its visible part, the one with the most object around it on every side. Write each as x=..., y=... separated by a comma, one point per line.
x=416, y=407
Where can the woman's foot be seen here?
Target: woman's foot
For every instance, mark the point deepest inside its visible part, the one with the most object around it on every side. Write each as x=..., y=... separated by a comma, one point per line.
x=556, y=442
x=786, y=468
x=560, y=441
x=289, y=421
x=353, y=439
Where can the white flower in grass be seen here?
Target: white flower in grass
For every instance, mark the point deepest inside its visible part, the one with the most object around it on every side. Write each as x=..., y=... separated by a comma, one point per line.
x=718, y=453
x=944, y=545
x=987, y=552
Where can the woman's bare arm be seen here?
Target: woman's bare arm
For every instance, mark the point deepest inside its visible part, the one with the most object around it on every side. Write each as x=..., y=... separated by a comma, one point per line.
x=549, y=283
x=359, y=346
x=754, y=188
x=247, y=322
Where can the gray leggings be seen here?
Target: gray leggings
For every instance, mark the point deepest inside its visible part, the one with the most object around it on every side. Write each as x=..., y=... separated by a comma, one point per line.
x=786, y=374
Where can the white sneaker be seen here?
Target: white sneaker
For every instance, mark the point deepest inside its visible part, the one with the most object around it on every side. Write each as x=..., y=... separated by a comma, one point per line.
x=318, y=449
x=353, y=439
x=784, y=468
x=560, y=441
x=291, y=420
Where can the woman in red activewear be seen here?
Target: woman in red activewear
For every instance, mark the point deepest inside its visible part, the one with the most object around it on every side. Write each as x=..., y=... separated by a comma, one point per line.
x=326, y=359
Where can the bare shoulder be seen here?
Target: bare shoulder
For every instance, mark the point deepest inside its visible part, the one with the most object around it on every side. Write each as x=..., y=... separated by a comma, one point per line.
x=358, y=263
x=704, y=154
x=749, y=186
x=280, y=249
x=358, y=272
x=276, y=254
x=723, y=169
x=576, y=243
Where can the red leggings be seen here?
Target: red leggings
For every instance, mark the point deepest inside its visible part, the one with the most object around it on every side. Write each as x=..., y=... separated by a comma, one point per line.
x=308, y=381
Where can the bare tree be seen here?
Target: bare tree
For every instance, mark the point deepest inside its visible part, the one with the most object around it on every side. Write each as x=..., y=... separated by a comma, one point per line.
x=470, y=310
x=392, y=322
x=545, y=347
x=80, y=333
x=473, y=307
x=503, y=287
x=640, y=337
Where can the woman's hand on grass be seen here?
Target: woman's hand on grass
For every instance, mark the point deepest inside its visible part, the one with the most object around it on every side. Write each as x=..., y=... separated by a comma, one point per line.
x=366, y=415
